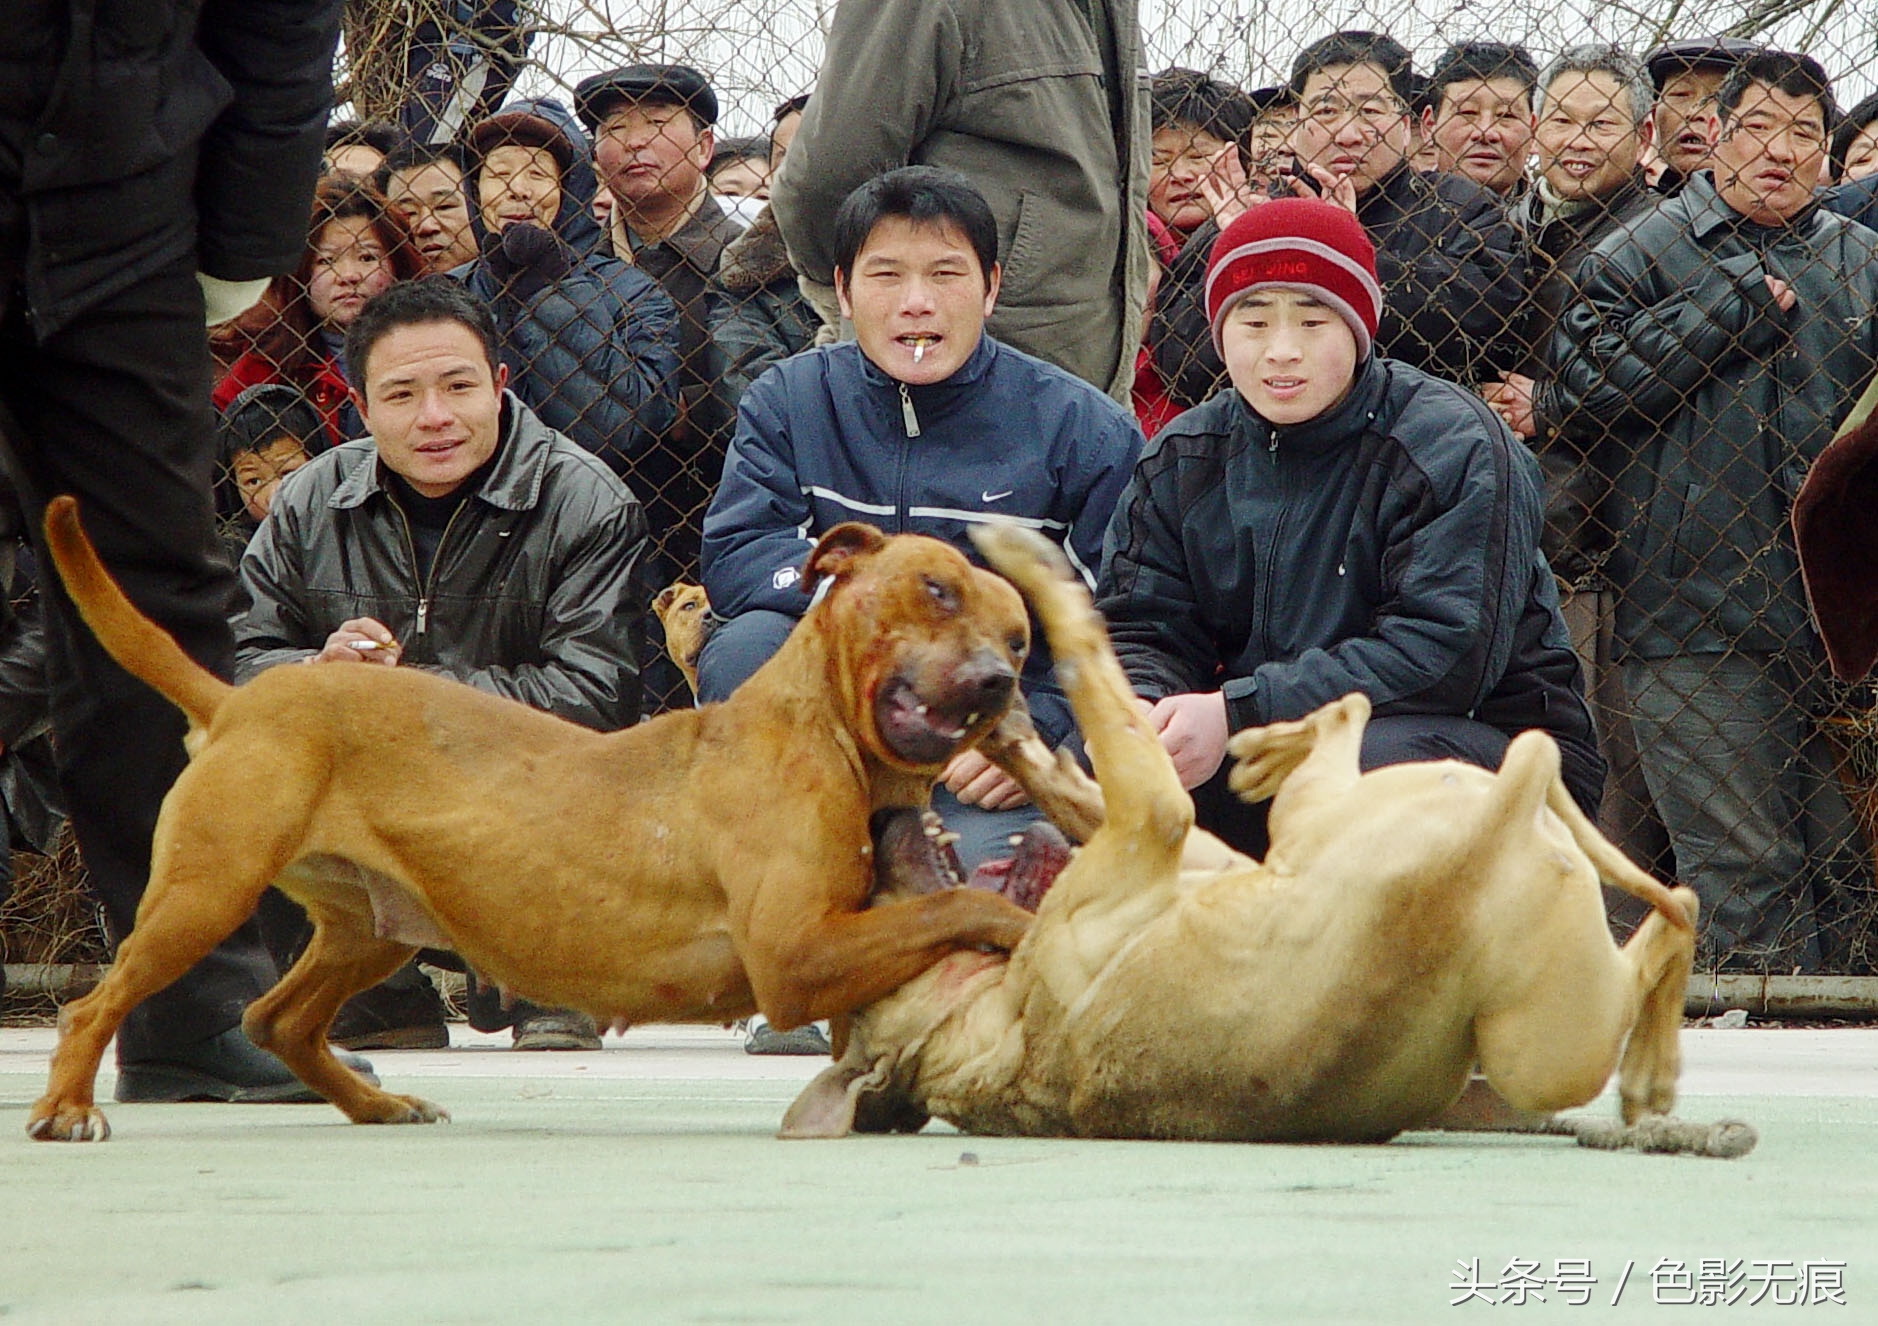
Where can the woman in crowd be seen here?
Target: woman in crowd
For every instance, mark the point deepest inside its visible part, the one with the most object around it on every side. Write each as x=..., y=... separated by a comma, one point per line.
x=357, y=245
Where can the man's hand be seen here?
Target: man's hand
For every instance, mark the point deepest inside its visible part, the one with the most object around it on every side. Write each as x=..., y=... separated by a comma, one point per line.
x=1226, y=190
x=1331, y=187
x=360, y=640
x=1193, y=729
x=976, y=781
x=1782, y=293
x=1511, y=398
x=526, y=258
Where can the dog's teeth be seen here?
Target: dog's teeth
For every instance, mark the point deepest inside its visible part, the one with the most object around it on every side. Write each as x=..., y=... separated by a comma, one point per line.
x=931, y=828
x=971, y=718
x=946, y=839
x=920, y=709
x=929, y=817
x=1015, y=840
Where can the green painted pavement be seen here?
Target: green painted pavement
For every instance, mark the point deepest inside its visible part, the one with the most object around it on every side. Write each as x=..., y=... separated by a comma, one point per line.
x=643, y=1183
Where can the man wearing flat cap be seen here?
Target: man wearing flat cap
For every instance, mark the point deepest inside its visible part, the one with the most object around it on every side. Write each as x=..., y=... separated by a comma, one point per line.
x=1687, y=75
x=652, y=131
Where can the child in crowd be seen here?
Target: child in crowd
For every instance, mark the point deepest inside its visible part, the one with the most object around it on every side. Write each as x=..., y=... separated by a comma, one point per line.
x=267, y=432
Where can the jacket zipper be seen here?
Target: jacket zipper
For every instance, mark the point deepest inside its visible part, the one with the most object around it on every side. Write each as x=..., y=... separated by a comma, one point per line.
x=909, y=419
x=424, y=582
x=1263, y=599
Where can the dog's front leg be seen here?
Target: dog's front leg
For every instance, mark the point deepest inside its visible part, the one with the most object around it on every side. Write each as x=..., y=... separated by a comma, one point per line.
x=802, y=969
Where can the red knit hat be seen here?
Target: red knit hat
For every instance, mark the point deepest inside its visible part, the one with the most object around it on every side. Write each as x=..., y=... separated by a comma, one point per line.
x=1297, y=244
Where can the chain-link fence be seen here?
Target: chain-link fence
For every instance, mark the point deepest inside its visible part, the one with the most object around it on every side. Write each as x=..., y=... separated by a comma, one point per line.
x=1628, y=260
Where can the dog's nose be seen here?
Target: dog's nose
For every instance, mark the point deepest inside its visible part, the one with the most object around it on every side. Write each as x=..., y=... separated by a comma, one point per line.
x=987, y=681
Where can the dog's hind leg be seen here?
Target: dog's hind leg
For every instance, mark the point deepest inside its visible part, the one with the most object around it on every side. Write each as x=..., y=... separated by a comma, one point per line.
x=1560, y=998
x=1302, y=765
x=342, y=958
x=1659, y=955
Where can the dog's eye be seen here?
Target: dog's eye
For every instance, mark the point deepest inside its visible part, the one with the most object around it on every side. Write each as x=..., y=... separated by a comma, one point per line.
x=1018, y=644
x=942, y=596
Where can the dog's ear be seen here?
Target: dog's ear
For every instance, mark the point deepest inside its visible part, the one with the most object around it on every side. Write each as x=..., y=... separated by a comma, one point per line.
x=663, y=603
x=826, y=1106
x=837, y=551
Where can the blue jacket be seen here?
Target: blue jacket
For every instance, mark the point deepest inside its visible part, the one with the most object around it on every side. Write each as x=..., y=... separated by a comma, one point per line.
x=826, y=436
x=594, y=352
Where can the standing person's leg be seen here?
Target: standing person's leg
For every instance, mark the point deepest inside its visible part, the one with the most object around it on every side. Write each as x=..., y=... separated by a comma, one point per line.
x=1720, y=738
x=114, y=409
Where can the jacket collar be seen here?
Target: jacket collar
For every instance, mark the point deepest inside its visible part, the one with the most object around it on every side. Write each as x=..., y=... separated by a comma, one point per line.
x=1337, y=425
x=1708, y=213
x=513, y=483
x=969, y=373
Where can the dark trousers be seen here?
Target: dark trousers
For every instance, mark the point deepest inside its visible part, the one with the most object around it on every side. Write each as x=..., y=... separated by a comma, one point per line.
x=114, y=408
x=742, y=644
x=1398, y=739
x=1745, y=784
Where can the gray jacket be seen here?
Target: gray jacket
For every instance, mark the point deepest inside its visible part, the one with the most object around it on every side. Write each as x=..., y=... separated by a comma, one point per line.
x=1040, y=111
x=534, y=593
x=1715, y=403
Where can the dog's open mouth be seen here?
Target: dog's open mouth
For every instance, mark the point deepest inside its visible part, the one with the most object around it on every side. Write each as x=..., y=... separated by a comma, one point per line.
x=914, y=853
x=915, y=731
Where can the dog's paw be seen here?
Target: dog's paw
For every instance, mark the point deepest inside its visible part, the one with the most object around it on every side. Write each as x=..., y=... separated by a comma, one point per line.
x=52, y=1124
x=402, y=1109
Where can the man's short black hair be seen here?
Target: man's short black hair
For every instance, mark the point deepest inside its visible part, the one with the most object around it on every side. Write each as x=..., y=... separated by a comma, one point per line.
x=381, y=135
x=1187, y=96
x=793, y=106
x=1784, y=71
x=415, y=156
x=731, y=150
x=922, y=195
x=1356, y=46
x=1856, y=120
x=1478, y=61
x=410, y=303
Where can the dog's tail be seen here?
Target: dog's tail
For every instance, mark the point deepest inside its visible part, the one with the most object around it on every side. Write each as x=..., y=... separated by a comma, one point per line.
x=140, y=646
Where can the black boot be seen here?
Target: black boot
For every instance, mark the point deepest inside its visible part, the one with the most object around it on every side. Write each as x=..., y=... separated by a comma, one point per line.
x=228, y=1067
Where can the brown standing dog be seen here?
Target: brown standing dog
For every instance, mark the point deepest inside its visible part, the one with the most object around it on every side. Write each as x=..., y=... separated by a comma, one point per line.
x=694, y=868
x=684, y=611
x=1406, y=925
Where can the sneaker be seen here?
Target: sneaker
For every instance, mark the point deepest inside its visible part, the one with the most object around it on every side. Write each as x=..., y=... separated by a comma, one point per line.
x=761, y=1038
x=228, y=1067
x=401, y=1016
x=556, y=1029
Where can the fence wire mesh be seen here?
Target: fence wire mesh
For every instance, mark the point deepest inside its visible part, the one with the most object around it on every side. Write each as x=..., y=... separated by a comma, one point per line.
x=1550, y=243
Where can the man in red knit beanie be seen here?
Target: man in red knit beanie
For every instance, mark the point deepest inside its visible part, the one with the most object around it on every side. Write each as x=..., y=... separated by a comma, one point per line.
x=1338, y=522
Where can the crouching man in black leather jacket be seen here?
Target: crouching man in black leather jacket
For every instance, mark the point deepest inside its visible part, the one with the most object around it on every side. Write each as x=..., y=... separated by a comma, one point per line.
x=463, y=536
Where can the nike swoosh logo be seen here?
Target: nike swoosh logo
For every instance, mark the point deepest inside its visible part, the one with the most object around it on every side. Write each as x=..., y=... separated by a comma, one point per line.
x=992, y=497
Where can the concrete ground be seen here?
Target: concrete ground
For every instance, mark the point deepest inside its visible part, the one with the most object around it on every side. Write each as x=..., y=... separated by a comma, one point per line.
x=643, y=1183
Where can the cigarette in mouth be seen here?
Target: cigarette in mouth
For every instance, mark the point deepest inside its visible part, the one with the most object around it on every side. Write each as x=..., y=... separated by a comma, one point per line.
x=919, y=351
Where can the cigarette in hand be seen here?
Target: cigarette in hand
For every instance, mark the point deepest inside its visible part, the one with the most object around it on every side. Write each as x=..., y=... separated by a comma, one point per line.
x=369, y=645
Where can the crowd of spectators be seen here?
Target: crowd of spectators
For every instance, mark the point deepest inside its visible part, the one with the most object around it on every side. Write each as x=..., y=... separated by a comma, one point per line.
x=1652, y=269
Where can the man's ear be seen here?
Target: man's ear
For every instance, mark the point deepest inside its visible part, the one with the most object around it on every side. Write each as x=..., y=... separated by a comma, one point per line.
x=358, y=403
x=1646, y=134
x=501, y=377
x=838, y=551
x=841, y=295
x=992, y=283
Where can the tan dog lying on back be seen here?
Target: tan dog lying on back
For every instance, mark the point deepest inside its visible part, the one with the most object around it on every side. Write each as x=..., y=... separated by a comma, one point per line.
x=1407, y=925
x=698, y=867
